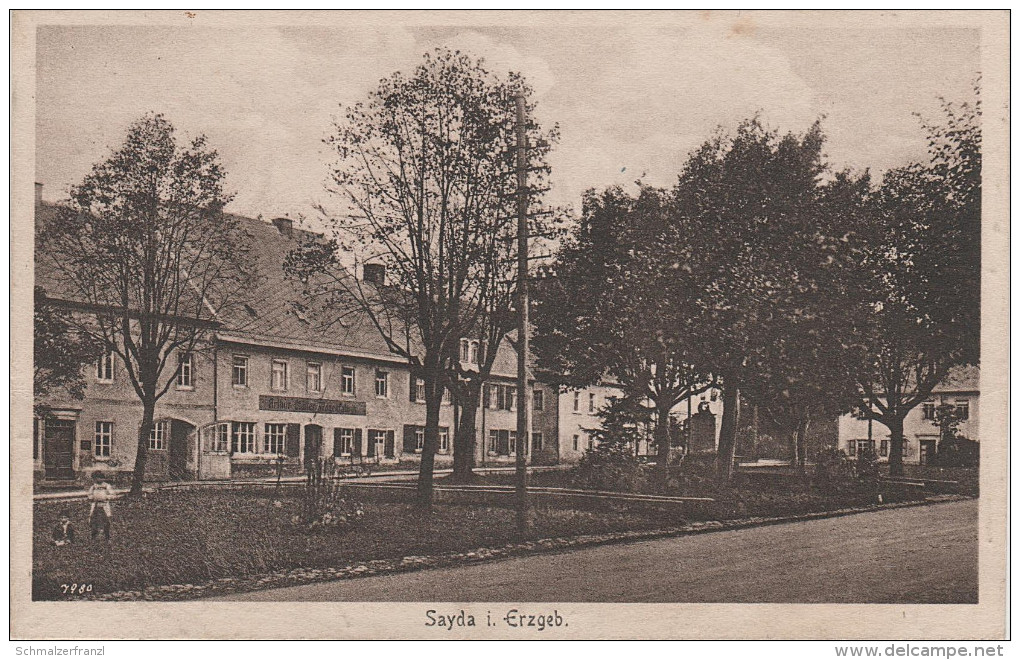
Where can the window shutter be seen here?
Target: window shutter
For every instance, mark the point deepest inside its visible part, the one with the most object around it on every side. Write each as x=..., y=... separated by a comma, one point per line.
x=504, y=442
x=409, y=441
x=389, y=444
x=370, y=444
x=412, y=387
x=293, y=440
x=336, y=442
x=357, y=442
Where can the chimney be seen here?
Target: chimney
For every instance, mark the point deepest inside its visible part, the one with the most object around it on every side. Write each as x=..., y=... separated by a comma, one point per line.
x=375, y=274
x=284, y=225
x=38, y=194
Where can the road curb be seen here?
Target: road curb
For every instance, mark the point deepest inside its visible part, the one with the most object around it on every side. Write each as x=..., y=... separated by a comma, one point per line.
x=296, y=577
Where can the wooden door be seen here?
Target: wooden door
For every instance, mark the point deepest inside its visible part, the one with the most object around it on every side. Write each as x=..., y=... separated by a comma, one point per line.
x=59, y=449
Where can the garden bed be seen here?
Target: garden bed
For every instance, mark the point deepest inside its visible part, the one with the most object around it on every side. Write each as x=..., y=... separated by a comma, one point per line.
x=190, y=537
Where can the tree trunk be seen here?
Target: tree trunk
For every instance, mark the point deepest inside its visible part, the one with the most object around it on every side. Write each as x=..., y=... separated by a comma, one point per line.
x=661, y=435
x=433, y=403
x=464, y=440
x=728, y=433
x=791, y=442
x=895, y=446
x=142, y=450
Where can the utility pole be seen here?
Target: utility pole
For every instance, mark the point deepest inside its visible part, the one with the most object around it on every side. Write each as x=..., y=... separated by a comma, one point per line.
x=523, y=400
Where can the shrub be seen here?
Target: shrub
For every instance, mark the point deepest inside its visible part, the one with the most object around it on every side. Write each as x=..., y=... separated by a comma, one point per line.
x=867, y=471
x=323, y=505
x=610, y=466
x=835, y=472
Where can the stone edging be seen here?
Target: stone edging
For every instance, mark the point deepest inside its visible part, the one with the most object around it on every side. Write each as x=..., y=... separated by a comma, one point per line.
x=299, y=576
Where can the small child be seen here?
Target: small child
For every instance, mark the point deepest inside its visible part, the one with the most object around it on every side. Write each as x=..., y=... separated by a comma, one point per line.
x=63, y=531
x=100, y=511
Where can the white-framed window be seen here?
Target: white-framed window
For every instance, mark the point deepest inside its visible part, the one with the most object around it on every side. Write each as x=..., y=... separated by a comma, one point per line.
x=276, y=438
x=103, y=440
x=473, y=353
x=239, y=371
x=591, y=402
x=104, y=368
x=577, y=442
x=185, y=371
x=538, y=400
x=493, y=396
x=219, y=440
x=419, y=390
x=469, y=351
x=465, y=350
x=279, y=376
x=536, y=441
x=346, y=442
x=347, y=381
x=313, y=377
x=493, y=441
x=447, y=396
x=382, y=384
x=928, y=410
x=419, y=439
x=444, y=440
x=242, y=437
x=577, y=402
x=157, y=436
x=591, y=440
x=513, y=442
x=963, y=409
x=378, y=438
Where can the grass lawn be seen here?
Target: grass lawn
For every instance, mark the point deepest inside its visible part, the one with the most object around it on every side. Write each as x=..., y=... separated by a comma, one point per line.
x=194, y=536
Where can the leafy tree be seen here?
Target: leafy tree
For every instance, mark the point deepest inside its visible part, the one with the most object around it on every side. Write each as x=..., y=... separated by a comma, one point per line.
x=145, y=251
x=60, y=352
x=424, y=172
x=768, y=228
x=616, y=306
x=921, y=306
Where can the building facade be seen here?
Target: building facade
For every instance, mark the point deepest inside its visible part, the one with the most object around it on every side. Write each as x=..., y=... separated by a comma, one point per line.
x=960, y=389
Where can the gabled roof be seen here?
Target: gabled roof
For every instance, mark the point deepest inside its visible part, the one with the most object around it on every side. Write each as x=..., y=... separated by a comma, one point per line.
x=965, y=378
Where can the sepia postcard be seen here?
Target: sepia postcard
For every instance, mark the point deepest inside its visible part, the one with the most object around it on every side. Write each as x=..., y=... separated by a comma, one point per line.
x=509, y=325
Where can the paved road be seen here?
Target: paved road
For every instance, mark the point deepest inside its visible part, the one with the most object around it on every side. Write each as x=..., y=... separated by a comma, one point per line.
x=924, y=554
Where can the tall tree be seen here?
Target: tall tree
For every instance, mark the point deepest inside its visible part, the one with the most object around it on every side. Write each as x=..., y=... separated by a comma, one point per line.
x=766, y=223
x=616, y=306
x=145, y=251
x=921, y=309
x=424, y=172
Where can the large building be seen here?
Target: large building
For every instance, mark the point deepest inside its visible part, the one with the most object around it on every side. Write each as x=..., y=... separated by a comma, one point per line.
x=960, y=389
x=272, y=391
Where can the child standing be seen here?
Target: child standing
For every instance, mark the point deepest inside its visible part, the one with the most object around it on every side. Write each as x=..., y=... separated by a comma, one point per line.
x=100, y=512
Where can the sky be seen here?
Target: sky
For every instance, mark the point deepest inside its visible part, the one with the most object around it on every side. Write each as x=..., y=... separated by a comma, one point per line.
x=631, y=101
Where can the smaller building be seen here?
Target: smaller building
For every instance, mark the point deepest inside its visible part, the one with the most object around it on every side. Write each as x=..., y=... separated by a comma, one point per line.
x=961, y=389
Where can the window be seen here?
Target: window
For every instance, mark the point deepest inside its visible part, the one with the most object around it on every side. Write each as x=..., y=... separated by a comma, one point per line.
x=511, y=397
x=157, y=436
x=185, y=371
x=883, y=448
x=591, y=402
x=347, y=381
x=493, y=441
x=469, y=351
x=104, y=368
x=382, y=384
x=513, y=442
x=444, y=440
x=276, y=438
x=378, y=439
x=313, y=378
x=346, y=442
x=962, y=409
x=419, y=390
x=577, y=401
x=103, y=440
x=242, y=437
x=492, y=396
x=219, y=440
x=239, y=372
x=538, y=399
x=447, y=397
x=419, y=439
x=278, y=380
x=928, y=410
x=536, y=441
x=851, y=447
x=576, y=442
x=591, y=440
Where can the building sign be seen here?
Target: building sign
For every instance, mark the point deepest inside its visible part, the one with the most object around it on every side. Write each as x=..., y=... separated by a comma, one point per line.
x=321, y=406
